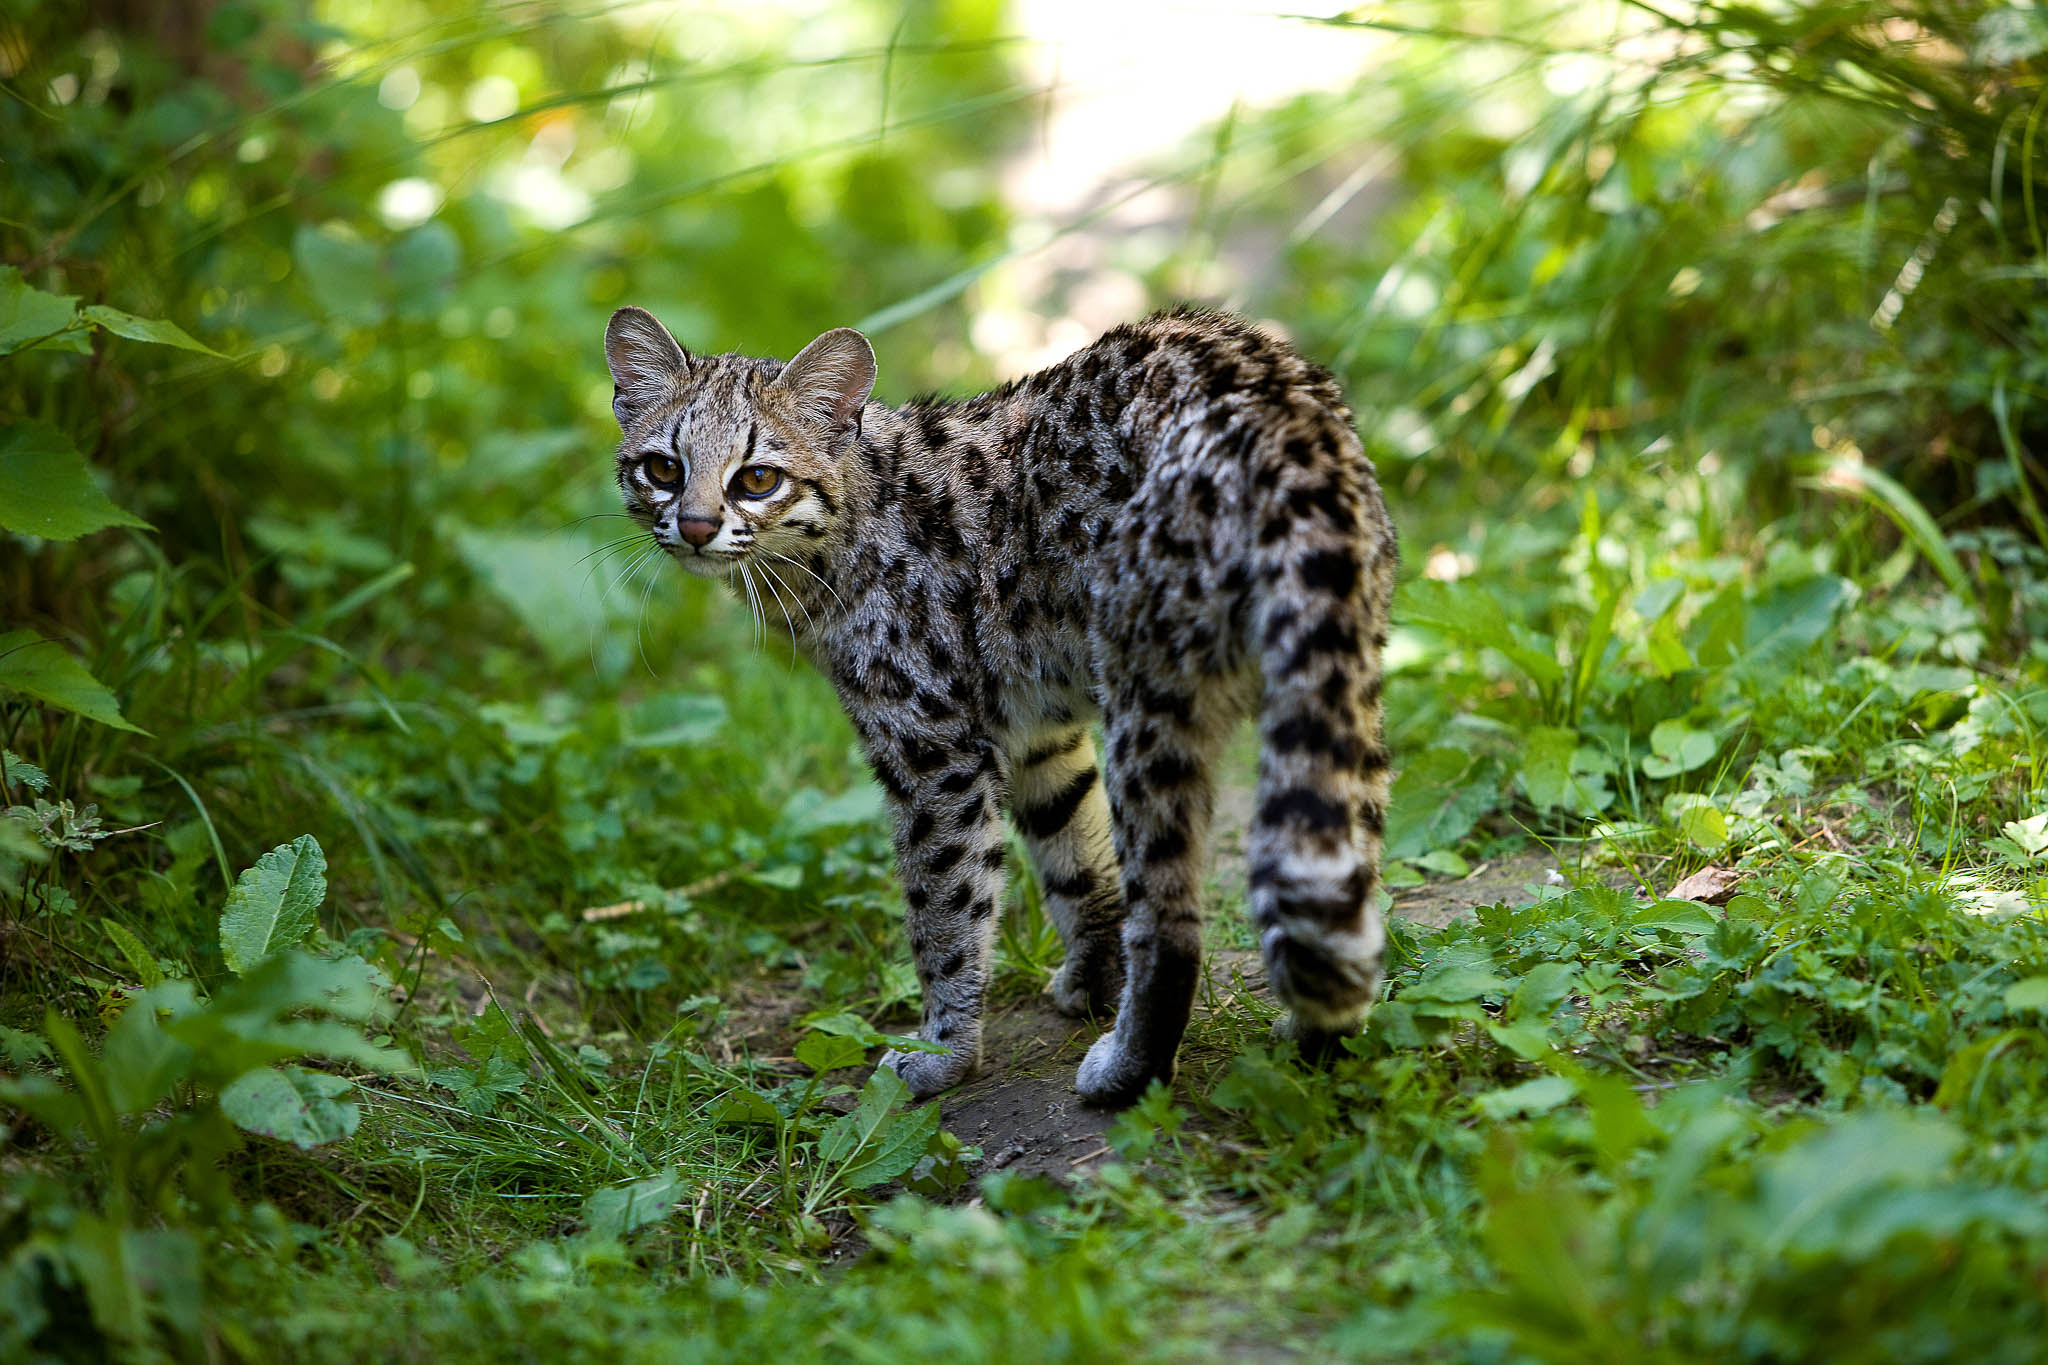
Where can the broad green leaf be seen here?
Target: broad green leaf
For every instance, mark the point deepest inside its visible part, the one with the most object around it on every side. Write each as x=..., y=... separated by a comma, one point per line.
x=1529, y=1041
x=808, y=812
x=1789, y=619
x=1455, y=984
x=880, y=1139
x=1679, y=916
x=1557, y=771
x=746, y=1106
x=274, y=904
x=1540, y=991
x=1539, y=1096
x=1676, y=747
x=28, y=315
x=671, y=720
x=46, y=671
x=2030, y=995
x=823, y=1052
x=544, y=580
x=1697, y=819
x=1471, y=615
x=1439, y=796
x=47, y=490
x=156, y=330
x=2030, y=835
x=422, y=264
x=291, y=1104
x=619, y=1209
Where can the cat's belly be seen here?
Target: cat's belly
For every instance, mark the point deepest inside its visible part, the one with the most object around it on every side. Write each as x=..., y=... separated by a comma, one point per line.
x=1049, y=688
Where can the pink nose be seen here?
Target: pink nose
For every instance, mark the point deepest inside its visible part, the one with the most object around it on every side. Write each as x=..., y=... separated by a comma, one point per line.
x=697, y=531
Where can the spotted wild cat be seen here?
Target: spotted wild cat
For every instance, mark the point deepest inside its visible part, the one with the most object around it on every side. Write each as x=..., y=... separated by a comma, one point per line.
x=1168, y=529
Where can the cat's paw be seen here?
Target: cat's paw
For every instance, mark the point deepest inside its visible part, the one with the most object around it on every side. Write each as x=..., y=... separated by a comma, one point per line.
x=927, y=1073
x=1112, y=1078
x=1088, y=983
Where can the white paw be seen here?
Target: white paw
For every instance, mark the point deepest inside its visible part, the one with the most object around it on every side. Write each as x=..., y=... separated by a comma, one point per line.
x=927, y=1073
x=1111, y=1077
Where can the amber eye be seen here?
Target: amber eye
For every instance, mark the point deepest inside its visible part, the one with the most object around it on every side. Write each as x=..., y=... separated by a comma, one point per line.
x=757, y=481
x=662, y=469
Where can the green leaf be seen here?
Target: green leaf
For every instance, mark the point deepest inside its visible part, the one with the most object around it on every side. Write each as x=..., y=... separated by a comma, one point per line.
x=1559, y=772
x=1790, y=619
x=879, y=1141
x=44, y=670
x=291, y=1104
x=18, y=769
x=28, y=315
x=422, y=265
x=139, y=958
x=2030, y=995
x=1540, y=991
x=1455, y=984
x=823, y=1052
x=1471, y=615
x=340, y=270
x=274, y=904
x=1679, y=916
x=2030, y=835
x=156, y=330
x=47, y=490
x=1676, y=747
x=672, y=720
x=1697, y=819
x=1439, y=796
x=807, y=812
x=619, y=1209
x=1539, y=1096
x=746, y=1106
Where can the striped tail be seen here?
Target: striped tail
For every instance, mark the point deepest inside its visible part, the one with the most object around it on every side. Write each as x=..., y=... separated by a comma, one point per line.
x=1325, y=566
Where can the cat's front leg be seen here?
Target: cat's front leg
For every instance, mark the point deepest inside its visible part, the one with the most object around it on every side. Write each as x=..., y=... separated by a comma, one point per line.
x=949, y=856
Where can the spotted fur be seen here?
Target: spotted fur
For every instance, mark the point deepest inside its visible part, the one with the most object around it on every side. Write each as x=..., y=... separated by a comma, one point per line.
x=1166, y=530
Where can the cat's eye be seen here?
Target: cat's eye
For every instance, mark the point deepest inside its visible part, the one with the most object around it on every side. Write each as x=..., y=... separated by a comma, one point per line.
x=757, y=481
x=662, y=469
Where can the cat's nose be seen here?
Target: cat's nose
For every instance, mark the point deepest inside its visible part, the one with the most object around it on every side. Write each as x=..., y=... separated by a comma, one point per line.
x=697, y=531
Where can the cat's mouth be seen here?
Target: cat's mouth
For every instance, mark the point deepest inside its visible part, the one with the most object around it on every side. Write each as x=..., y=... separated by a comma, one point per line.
x=706, y=563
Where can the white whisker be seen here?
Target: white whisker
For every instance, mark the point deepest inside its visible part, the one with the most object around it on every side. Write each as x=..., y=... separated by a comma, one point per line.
x=780, y=601
x=812, y=572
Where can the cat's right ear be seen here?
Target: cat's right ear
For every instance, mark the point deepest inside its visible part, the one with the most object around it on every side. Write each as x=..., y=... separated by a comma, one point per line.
x=645, y=362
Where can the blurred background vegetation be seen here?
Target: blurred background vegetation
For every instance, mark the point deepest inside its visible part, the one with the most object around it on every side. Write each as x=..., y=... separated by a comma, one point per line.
x=1700, y=350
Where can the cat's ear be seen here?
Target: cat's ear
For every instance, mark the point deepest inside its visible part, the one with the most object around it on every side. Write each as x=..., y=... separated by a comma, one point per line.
x=830, y=379
x=645, y=362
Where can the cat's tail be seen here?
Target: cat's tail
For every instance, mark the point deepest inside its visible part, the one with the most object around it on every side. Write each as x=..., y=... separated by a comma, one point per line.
x=1325, y=564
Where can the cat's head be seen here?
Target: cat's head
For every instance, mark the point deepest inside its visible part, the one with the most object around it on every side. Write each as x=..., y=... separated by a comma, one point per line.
x=727, y=456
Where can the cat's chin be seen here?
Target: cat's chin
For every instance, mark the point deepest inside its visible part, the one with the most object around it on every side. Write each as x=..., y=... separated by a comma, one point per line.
x=707, y=566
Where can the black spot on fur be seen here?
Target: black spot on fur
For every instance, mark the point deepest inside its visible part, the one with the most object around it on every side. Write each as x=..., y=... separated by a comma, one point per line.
x=1300, y=805
x=1332, y=571
x=1044, y=821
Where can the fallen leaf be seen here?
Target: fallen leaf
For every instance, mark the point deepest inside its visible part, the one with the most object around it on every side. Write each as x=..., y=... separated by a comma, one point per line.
x=1708, y=886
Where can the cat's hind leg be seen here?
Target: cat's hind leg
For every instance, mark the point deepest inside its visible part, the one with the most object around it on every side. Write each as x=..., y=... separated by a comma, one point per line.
x=1057, y=802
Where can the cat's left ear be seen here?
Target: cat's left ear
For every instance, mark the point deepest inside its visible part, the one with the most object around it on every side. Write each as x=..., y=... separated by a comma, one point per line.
x=645, y=362
x=830, y=379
